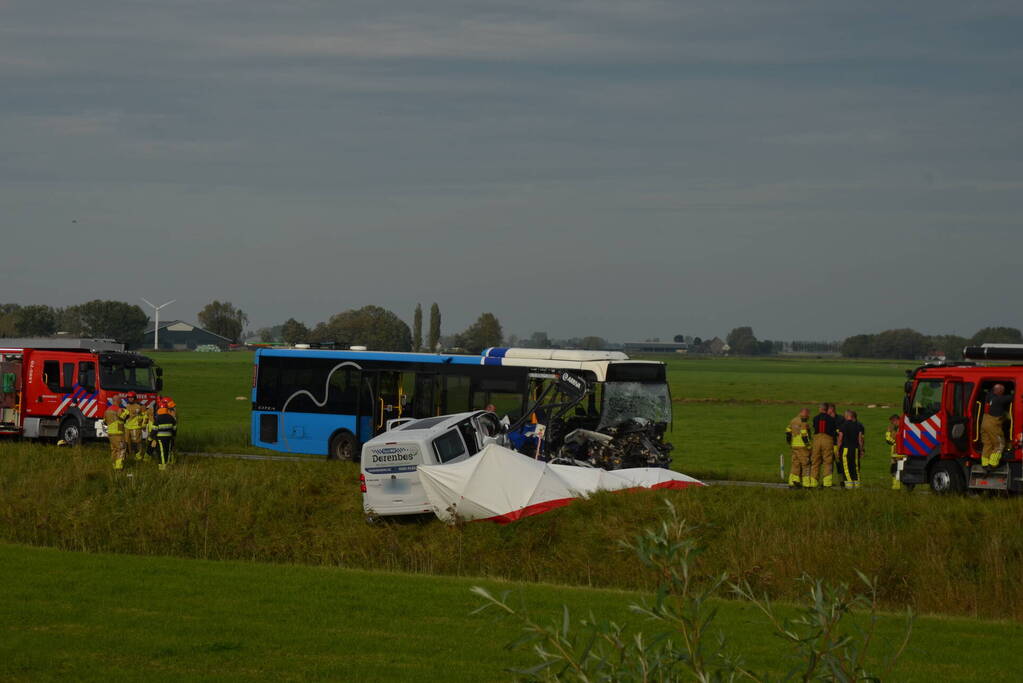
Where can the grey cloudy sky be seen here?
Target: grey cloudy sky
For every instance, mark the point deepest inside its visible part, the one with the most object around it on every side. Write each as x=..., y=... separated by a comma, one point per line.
x=614, y=167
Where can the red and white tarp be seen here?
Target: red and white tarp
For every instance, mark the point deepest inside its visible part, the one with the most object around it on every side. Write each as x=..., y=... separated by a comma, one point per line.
x=502, y=486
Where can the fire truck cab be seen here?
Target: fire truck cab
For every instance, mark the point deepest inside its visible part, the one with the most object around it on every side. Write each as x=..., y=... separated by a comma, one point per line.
x=940, y=430
x=59, y=388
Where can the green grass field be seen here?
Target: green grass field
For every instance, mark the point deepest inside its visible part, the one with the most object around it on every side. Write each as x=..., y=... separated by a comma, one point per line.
x=207, y=615
x=928, y=550
x=102, y=617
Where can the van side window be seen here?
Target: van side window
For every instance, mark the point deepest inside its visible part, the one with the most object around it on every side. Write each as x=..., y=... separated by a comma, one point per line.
x=926, y=400
x=448, y=446
x=51, y=375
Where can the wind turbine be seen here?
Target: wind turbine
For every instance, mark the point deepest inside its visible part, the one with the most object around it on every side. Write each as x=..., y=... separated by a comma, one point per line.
x=156, y=321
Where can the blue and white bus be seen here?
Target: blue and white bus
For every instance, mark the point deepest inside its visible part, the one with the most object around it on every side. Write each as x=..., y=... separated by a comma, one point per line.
x=330, y=402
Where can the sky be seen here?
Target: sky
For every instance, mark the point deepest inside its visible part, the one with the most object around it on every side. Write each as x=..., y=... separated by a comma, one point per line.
x=629, y=169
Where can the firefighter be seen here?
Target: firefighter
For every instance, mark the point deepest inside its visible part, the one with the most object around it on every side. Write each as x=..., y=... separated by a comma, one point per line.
x=890, y=437
x=850, y=447
x=839, y=419
x=134, y=416
x=115, y=432
x=797, y=434
x=992, y=428
x=822, y=456
x=164, y=428
x=172, y=408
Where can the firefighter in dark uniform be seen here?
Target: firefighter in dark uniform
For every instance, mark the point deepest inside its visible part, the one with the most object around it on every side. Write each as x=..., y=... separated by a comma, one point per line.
x=822, y=455
x=850, y=448
x=839, y=419
x=997, y=405
x=164, y=428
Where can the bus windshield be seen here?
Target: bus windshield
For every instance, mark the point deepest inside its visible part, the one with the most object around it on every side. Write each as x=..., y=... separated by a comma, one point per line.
x=627, y=400
x=115, y=376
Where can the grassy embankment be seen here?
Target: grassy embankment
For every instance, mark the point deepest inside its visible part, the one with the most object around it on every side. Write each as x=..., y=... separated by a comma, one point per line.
x=730, y=414
x=107, y=617
x=945, y=555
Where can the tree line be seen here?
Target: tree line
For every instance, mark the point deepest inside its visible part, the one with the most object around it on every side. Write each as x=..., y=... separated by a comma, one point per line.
x=382, y=330
x=900, y=344
x=908, y=344
x=106, y=319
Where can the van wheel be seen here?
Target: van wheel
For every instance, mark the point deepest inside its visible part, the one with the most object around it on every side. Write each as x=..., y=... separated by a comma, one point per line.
x=70, y=432
x=342, y=447
x=946, y=478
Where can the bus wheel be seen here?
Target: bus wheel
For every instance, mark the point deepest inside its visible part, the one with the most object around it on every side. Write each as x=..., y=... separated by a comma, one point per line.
x=343, y=447
x=70, y=433
x=945, y=478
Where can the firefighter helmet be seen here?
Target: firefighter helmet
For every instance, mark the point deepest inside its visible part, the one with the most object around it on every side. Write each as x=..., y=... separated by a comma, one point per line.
x=132, y=395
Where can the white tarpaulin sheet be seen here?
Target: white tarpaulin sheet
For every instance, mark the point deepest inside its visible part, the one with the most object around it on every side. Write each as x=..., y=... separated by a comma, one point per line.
x=501, y=485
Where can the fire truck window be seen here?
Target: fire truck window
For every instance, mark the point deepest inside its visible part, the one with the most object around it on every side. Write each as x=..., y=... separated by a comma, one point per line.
x=68, y=385
x=926, y=400
x=961, y=397
x=51, y=375
x=87, y=376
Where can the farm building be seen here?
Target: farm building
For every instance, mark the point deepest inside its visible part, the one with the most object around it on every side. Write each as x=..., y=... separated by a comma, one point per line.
x=655, y=347
x=177, y=335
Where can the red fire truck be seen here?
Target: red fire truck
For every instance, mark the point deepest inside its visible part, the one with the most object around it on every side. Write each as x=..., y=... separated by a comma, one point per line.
x=59, y=388
x=942, y=412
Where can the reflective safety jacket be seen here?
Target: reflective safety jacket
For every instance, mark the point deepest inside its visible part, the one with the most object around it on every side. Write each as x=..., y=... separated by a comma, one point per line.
x=798, y=433
x=112, y=419
x=134, y=416
x=164, y=425
x=889, y=436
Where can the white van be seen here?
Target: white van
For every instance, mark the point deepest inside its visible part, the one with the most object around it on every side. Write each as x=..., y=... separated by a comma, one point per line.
x=390, y=483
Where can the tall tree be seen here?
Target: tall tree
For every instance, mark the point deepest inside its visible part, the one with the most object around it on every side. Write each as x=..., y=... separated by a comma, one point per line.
x=997, y=335
x=371, y=326
x=69, y=321
x=9, y=320
x=36, y=321
x=743, y=342
x=434, y=336
x=224, y=319
x=417, y=328
x=294, y=332
x=482, y=334
x=112, y=320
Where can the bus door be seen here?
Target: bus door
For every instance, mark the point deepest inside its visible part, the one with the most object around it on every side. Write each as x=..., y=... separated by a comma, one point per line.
x=957, y=412
x=387, y=405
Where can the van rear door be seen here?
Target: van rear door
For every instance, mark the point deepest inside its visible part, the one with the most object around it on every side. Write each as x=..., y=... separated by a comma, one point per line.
x=392, y=483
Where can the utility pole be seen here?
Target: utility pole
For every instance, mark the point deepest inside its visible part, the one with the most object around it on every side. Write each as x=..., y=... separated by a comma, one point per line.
x=156, y=321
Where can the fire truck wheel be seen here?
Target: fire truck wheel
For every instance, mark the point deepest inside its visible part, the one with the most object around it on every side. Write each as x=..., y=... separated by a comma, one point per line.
x=70, y=432
x=343, y=447
x=946, y=478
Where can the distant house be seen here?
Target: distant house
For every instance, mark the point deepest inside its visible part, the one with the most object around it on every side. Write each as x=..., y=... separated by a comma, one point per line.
x=177, y=335
x=718, y=347
x=655, y=347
